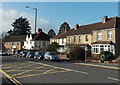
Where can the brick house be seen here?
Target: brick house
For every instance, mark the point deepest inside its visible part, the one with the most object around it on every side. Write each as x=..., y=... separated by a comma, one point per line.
x=14, y=43
x=98, y=36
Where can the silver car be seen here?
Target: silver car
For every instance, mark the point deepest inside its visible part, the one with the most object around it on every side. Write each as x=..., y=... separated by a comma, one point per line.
x=50, y=55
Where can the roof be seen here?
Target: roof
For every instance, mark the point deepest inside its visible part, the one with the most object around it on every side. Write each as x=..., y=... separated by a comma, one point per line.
x=41, y=36
x=103, y=42
x=113, y=22
x=59, y=35
x=20, y=38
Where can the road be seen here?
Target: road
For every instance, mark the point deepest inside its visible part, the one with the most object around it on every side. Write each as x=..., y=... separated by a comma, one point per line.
x=33, y=71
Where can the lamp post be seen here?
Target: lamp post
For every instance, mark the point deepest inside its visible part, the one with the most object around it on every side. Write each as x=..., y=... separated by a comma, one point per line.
x=35, y=16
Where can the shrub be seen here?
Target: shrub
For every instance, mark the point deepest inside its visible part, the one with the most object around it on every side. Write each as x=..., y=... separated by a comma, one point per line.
x=77, y=53
x=52, y=47
x=106, y=56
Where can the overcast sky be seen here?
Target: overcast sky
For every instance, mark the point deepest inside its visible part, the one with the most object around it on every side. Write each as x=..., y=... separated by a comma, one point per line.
x=53, y=14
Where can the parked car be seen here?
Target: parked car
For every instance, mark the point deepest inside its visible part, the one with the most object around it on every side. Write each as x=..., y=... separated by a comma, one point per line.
x=39, y=55
x=50, y=55
x=17, y=53
x=3, y=54
x=30, y=54
x=23, y=54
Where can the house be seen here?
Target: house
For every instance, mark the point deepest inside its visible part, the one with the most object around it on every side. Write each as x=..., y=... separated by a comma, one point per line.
x=14, y=43
x=37, y=41
x=60, y=39
x=96, y=37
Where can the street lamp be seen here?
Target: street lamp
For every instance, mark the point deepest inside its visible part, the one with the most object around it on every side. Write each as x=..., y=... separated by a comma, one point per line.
x=35, y=16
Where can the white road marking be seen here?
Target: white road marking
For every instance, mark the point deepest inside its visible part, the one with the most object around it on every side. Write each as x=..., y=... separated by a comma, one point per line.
x=113, y=79
x=83, y=72
x=60, y=67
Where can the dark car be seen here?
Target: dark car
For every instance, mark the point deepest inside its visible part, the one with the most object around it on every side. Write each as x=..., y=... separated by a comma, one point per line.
x=39, y=55
x=3, y=54
x=30, y=54
x=17, y=53
x=23, y=54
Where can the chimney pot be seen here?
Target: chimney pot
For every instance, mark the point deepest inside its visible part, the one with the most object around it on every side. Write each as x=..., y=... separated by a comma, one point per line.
x=105, y=18
x=39, y=30
x=76, y=26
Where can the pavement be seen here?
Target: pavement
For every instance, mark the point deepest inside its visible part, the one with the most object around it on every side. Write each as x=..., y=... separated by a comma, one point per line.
x=113, y=66
x=29, y=70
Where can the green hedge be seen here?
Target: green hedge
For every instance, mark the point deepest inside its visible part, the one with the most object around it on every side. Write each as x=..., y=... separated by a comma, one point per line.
x=76, y=53
x=106, y=56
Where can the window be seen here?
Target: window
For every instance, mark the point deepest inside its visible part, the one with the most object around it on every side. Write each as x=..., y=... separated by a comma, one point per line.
x=79, y=38
x=109, y=35
x=18, y=43
x=62, y=41
x=99, y=36
x=69, y=39
x=86, y=38
x=101, y=48
x=96, y=49
x=74, y=39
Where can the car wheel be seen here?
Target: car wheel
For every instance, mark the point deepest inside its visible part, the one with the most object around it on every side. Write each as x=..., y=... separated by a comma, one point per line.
x=44, y=58
x=49, y=58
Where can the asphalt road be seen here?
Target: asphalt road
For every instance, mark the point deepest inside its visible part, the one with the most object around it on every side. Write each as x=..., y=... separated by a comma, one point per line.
x=33, y=71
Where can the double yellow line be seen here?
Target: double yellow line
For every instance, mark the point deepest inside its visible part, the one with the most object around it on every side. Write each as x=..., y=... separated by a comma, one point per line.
x=16, y=82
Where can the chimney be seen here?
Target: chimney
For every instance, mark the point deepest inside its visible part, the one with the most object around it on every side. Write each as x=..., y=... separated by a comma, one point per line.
x=105, y=18
x=76, y=26
x=39, y=30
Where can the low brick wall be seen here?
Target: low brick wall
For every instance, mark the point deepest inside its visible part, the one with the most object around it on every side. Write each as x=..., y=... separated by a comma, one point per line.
x=63, y=56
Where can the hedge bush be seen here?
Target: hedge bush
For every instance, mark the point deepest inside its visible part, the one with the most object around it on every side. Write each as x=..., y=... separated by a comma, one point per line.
x=106, y=56
x=76, y=53
x=52, y=47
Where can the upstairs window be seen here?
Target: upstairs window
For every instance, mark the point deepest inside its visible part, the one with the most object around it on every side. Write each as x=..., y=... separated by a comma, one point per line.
x=86, y=38
x=109, y=35
x=62, y=41
x=99, y=36
x=74, y=39
x=69, y=39
x=79, y=38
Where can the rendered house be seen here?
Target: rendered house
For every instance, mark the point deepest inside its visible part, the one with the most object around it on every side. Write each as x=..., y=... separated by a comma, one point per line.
x=97, y=36
x=60, y=39
x=36, y=41
x=14, y=43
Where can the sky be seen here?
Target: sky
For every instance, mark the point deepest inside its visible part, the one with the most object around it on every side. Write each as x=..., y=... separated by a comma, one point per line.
x=52, y=14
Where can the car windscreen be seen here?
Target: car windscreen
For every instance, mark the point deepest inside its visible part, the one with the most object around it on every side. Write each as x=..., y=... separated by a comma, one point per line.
x=53, y=53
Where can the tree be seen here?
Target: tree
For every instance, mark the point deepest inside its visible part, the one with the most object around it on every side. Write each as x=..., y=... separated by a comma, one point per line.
x=53, y=47
x=64, y=27
x=20, y=27
x=10, y=32
x=51, y=33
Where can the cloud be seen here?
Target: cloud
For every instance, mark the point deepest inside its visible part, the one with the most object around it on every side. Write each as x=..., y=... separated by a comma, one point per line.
x=8, y=17
x=45, y=24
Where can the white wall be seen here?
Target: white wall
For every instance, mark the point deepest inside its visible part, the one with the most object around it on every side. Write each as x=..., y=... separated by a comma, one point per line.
x=62, y=41
x=29, y=44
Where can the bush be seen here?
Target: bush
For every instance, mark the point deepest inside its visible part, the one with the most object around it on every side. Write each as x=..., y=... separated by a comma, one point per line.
x=52, y=47
x=106, y=56
x=77, y=53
